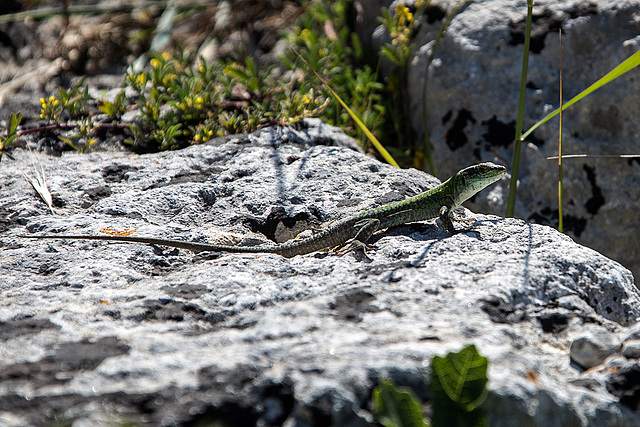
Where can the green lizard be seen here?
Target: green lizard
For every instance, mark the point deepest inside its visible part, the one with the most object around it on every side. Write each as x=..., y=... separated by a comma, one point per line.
x=354, y=230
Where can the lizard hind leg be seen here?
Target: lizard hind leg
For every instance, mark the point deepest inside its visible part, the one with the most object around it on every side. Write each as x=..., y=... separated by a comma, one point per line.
x=366, y=227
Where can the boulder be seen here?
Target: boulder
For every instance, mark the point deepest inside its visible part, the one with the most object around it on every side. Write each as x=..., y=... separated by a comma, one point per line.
x=98, y=333
x=470, y=92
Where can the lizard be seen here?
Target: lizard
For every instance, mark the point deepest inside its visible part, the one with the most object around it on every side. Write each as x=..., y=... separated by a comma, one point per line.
x=353, y=231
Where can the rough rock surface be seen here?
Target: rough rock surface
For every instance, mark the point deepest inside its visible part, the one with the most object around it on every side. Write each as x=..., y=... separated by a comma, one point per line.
x=472, y=89
x=99, y=333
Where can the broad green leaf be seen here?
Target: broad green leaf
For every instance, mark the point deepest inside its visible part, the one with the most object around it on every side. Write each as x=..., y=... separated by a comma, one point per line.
x=396, y=406
x=626, y=65
x=459, y=383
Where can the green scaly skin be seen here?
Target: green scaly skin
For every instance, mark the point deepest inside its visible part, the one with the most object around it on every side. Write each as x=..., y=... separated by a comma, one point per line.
x=357, y=229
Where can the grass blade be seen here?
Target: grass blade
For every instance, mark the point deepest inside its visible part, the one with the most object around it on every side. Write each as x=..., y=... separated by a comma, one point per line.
x=515, y=163
x=560, y=145
x=626, y=65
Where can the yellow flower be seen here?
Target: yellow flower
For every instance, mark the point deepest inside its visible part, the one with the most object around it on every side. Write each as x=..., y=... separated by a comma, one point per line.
x=404, y=14
x=155, y=63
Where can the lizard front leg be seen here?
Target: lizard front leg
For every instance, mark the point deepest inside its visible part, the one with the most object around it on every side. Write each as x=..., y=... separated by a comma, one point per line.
x=366, y=228
x=447, y=216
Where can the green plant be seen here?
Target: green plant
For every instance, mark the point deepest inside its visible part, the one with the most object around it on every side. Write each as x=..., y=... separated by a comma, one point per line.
x=182, y=104
x=182, y=100
x=179, y=103
x=458, y=389
x=515, y=163
x=397, y=406
x=383, y=152
x=334, y=54
x=116, y=108
x=11, y=134
x=400, y=26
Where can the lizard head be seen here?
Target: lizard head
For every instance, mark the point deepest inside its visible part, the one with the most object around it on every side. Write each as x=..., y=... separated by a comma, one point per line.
x=472, y=179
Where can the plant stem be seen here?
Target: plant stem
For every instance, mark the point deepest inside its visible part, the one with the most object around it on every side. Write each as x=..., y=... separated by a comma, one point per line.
x=560, y=145
x=515, y=164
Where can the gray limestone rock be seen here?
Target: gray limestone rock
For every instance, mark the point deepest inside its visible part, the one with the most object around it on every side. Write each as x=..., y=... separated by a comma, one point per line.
x=593, y=347
x=471, y=94
x=631, y=349
x=99, y=333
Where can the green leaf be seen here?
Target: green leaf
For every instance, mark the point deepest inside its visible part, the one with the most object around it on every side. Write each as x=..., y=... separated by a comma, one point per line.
x=396, y=406
x=13, y=125
x=64, y=95
x=238, y=72
x=459, y=387
x=626, y=65
x=69, y=142
x=107, y=108
x=357, y=47
x=391, y=54
x=9, y=140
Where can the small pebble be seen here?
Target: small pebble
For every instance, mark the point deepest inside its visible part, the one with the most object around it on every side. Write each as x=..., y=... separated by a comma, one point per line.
x=593, y=347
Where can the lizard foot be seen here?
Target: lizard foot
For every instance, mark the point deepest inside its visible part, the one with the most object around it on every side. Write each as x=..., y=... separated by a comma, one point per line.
x=352, y=246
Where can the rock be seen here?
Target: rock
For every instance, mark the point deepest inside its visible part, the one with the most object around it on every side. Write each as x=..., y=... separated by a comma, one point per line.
x=625, y=383
x=94, y=331
x=631, y=349
x=634, y=333
x=472, y=90
x=594, y=347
